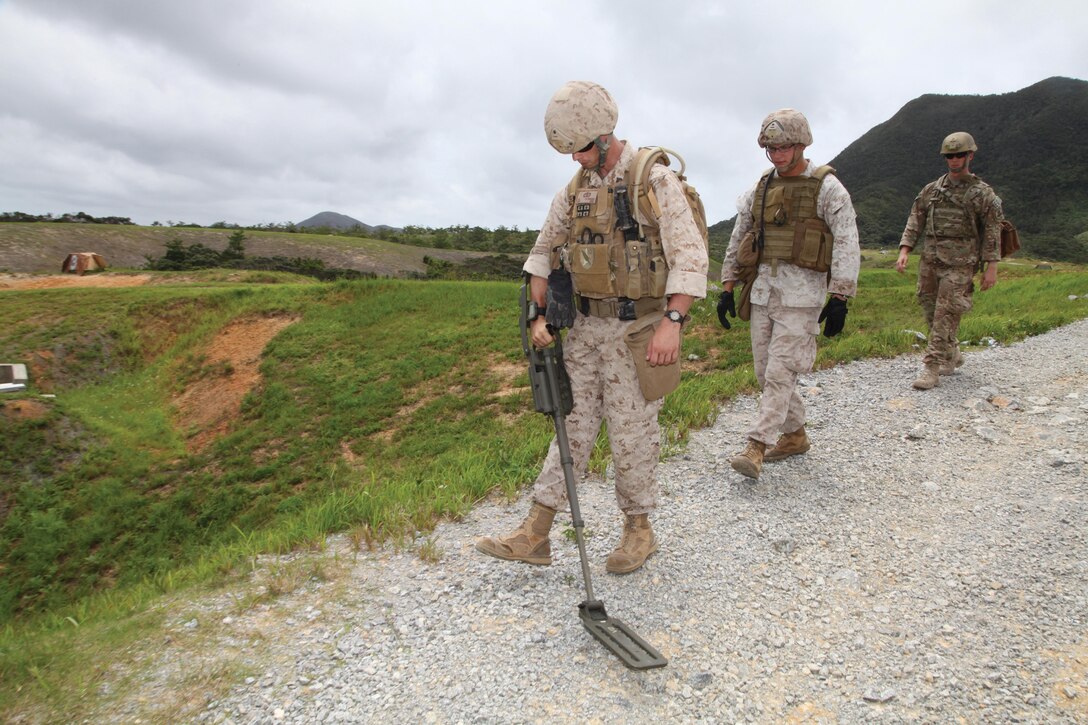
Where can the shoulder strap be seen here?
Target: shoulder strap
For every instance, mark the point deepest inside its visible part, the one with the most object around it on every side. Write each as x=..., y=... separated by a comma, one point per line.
x=820, y=174
x=638, y=180
x=766, y=181
x=638, y=177
x=575, y=182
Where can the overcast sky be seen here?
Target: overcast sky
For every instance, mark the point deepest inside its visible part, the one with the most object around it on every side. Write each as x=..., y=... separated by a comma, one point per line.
x=431, y=113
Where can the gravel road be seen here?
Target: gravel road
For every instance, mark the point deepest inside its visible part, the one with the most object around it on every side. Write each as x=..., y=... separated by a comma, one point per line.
x=926, y=561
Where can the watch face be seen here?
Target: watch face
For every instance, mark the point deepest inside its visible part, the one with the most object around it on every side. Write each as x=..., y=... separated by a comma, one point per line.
x=674, y=315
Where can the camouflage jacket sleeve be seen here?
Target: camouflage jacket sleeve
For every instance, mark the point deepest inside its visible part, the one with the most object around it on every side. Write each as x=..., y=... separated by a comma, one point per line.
x=916, y=220
x=684, y=248
x=837, y=210
x=740, y=228
x=554, y=233
x=990, y=214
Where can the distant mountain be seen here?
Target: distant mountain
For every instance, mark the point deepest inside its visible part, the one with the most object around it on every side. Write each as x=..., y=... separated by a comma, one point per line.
x=332, y=220
x=1032, y=150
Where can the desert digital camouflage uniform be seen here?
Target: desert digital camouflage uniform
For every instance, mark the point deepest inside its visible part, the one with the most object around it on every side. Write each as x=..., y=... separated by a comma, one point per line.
x=786, y=304
x=598, y=361
x=951, y=252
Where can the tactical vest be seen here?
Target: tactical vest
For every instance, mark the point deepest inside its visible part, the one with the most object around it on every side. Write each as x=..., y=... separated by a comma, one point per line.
x=603, y=264
x=950, y=232
x=792, y=230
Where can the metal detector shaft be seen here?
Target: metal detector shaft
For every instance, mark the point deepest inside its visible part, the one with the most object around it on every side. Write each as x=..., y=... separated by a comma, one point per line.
x=567, y=460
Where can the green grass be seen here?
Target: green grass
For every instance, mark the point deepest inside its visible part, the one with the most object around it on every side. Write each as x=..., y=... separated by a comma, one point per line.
x=388, y=406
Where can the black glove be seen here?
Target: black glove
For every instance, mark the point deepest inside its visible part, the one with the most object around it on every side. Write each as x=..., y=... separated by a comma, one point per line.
x=559, y=300
x=726, y=306
x=835, y=314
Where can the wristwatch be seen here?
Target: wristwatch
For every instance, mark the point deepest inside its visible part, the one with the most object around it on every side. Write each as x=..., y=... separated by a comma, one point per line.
x=535, y=311
x=676, y=316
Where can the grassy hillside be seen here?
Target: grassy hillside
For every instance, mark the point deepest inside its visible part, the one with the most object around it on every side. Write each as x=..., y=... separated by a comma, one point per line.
x=196, y=425
x=40, y=247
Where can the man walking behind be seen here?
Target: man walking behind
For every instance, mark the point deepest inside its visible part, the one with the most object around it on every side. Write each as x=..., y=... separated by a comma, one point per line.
x=957, y=218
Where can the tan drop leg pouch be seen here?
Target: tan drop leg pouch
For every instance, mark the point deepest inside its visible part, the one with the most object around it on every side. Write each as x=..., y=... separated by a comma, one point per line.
x=655, y=381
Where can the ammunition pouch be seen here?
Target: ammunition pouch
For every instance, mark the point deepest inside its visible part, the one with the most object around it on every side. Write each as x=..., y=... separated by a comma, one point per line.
x=812, y=245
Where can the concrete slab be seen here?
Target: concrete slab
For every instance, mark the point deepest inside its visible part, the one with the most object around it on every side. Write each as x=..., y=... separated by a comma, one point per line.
x=12, y=377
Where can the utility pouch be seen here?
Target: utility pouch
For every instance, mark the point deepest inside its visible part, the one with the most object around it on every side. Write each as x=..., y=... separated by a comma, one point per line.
x=744, y=302
x=659, y=276
x=556, y=257
x=655, y=381
x=747, y=254
x=592, y=269
x=774, y=208
x=812, y=245
x=1010, y=238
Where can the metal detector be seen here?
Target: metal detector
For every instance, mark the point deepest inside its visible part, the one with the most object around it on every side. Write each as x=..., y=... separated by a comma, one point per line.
x=552, y=396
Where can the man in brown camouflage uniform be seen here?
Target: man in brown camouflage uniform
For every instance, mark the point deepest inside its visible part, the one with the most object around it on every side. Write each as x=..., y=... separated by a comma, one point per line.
x=580, y=120
x=794, y=201
x=958, y=218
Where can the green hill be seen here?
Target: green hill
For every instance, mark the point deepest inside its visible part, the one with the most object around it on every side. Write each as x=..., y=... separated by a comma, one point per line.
x=1031, y=150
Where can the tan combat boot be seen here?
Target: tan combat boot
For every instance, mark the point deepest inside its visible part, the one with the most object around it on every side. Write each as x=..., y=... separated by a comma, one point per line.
x=789, y=444
x=750, y=460
x=528, y=542
x=929, y=378
x=949, y=366
x=636, y=545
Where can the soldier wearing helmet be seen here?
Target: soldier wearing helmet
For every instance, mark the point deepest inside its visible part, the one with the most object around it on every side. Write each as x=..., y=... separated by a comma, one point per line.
x=795, y=240
x=621, y=286
x=957, y=221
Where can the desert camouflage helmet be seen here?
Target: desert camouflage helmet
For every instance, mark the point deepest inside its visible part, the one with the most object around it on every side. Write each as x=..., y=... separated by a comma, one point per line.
x=578, y=113
x=784, y=126
x=956, y=142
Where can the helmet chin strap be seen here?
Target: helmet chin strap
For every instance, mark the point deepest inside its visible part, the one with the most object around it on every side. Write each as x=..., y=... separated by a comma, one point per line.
x=602, y=152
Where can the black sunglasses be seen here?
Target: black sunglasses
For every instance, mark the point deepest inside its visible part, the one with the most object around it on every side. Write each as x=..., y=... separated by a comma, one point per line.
x=588, y=146
x=959, y=155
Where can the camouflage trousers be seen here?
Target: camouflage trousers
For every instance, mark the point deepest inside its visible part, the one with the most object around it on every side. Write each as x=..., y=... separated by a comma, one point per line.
x=783, y=347
x=605, y=387
x=945, y=296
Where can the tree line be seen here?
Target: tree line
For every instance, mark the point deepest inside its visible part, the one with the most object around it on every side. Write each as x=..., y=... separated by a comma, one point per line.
x=77, y=218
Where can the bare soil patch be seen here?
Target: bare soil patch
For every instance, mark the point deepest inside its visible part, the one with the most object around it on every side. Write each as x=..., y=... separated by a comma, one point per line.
x=210, y=404
x=22, y=282
x=23, y=409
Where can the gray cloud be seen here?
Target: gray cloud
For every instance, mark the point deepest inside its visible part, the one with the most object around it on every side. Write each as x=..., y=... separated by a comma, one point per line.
x=431, y=113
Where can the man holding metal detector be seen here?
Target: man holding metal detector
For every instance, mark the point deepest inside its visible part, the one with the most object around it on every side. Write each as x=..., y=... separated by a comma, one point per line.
x=634, y=276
